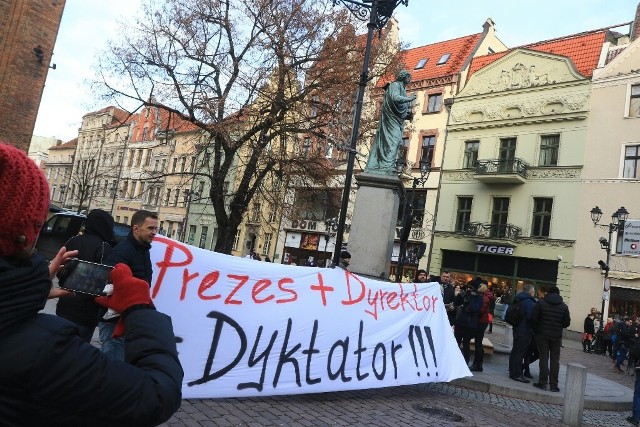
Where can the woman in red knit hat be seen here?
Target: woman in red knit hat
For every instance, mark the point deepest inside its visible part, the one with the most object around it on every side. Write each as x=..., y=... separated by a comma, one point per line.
x=49, y=375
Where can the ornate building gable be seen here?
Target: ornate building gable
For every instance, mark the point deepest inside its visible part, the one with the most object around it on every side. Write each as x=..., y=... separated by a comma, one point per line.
x=521, y=69
x=627, y=62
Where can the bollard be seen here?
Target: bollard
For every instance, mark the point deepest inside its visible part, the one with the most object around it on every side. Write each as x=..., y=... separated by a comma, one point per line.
x=574, y=387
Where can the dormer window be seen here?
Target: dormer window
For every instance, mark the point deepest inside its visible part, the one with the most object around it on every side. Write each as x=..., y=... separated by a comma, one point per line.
x=421, y=63
x=444, y=58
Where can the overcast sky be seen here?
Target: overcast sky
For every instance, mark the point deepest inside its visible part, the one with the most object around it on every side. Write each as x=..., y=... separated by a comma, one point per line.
x=88, y=24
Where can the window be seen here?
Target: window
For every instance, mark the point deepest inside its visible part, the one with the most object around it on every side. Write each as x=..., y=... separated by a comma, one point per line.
x=631, y=162
x=192, y=234
x=470, y=154
x=167, y=197
x=328, y=152
x=176, y=196
x=236, y=240
x=499, y=216
x=255, y=213
x=125, y=187
x=419, y=204
x=463, y=215
x=272, y=213
x=266, y=247
x=139, y=159
x=175, y=163
x=306, y=147
x=434, y=104
x=507, y=155
x=634, y=101
x=155, y=165
x=428, y=144
x=203, y=236
x=183, y=163
x=403, y=150
x=490, y=51
x=148, y=161
x=164, y=165
x=421, y=63
x=444, y=58
x=315, y=101
x=549, y=145
x=541, y=216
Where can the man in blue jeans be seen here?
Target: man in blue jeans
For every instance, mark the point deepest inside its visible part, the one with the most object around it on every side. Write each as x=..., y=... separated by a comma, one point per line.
x=134, y=252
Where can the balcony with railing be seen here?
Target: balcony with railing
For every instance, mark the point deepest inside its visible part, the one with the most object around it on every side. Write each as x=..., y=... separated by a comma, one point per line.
x=492, y=231
x=496, y=171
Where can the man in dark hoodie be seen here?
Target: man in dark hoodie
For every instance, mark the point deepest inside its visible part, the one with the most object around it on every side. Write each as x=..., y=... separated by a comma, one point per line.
x=134, y=252
x=94, y=245
x=522, y=333
x=49, y=376
x=550, y=317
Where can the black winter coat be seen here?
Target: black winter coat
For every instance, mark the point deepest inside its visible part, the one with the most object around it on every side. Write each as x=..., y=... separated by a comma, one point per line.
x=92, y=246
x=135, y=255
x=550, y=316
x=50, y=377
x=589, y=327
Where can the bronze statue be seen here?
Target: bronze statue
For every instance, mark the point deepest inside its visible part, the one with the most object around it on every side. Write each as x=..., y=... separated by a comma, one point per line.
x=395, y=107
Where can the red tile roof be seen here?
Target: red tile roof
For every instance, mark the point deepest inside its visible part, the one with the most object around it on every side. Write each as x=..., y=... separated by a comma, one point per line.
x=459, y=48
x=68, y=144
x=582, y=49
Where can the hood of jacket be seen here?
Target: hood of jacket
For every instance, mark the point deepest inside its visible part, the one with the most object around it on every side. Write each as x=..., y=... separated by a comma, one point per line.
x=553, y=299
x=522, y=296
x=100, y=223
x=24, y=287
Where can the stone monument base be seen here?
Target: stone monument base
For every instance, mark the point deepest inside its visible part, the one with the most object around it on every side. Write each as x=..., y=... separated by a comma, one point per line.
x=373, y=226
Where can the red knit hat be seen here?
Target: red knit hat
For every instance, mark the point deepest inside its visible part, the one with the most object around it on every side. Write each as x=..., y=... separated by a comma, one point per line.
x=24, y=201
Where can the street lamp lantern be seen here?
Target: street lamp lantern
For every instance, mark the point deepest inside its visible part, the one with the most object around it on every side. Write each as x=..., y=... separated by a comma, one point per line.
x=622, y=214
x=401, y=164
x=596, y=214
x=425, y=167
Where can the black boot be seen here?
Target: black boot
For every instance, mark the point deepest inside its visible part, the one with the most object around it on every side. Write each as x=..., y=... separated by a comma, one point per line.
x=476, y=368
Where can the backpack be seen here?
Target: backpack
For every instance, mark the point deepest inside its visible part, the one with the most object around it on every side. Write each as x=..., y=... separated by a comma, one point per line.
x=513, y=315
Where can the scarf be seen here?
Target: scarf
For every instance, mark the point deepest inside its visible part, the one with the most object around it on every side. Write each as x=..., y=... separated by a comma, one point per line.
x=24, y=287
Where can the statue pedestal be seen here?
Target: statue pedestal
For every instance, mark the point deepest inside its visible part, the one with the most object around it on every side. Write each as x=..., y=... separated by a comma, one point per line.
x=373, y=226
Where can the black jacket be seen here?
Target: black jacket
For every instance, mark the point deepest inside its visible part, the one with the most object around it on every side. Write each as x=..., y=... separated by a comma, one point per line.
x=589, y=327
x=50, y=377
x=551, y=316
x=92, y=246
x=135, y=255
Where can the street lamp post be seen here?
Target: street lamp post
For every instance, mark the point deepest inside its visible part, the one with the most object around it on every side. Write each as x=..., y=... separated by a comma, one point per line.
x=617, y=223
x=407, y=211
x=380, y=12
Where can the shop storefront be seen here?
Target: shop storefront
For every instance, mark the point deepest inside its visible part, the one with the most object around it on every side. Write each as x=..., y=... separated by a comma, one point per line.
x=624, y=302
x=506, y=273
x=309, y=243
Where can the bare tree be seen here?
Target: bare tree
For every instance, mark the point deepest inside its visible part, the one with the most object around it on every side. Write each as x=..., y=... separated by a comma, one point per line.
x=257, y=77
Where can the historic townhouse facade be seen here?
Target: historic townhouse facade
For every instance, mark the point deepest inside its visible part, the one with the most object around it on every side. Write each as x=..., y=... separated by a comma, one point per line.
x=512, y=173
x=611, y=179
x=438, y=72
x=59, y=165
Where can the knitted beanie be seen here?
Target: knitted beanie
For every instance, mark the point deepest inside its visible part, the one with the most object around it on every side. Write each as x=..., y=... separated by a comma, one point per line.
x=24, y=201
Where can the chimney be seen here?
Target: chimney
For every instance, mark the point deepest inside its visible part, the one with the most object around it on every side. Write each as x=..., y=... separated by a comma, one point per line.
x=635, y=26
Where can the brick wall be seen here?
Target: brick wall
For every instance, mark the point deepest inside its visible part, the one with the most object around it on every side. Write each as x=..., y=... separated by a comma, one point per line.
x=24, y=25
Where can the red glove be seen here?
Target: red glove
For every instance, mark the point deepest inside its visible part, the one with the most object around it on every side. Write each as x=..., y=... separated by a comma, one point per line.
x=127, y=292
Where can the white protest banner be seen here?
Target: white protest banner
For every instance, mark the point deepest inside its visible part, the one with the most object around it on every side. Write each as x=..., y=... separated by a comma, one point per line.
x=251, y=328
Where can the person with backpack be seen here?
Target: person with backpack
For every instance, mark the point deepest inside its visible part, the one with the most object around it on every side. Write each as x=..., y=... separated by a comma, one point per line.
x=550, y=317
x=468, y=304
x=519, y=315
x=94, y=245
x=488, y=300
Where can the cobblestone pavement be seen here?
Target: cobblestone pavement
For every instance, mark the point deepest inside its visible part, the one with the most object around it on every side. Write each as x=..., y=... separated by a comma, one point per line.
x=420, y=405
